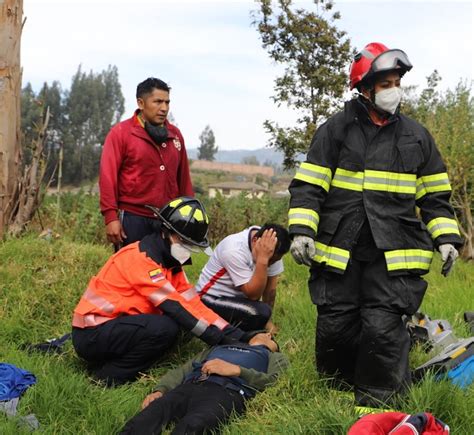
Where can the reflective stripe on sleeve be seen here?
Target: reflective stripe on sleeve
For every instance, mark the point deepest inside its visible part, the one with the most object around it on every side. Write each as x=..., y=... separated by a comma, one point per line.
x=405, y=259
x=390, y=182
x=432, y=183
x=440, y=226
x=189, y=294
x=303, y=216
x=199, y=328
x=331, y=256
x=159, y=295
x=314, y=174
x=100, y=302
x=348, y=180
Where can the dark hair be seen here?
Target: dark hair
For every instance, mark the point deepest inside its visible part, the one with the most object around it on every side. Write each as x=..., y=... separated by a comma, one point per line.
x=284, y=241
x=147, y=86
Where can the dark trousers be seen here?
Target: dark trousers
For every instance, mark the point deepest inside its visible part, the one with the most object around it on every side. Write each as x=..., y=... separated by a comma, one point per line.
x=136, y=227
x=118, y=350
x=360, y=337
x=197, y=408
x=242, y=312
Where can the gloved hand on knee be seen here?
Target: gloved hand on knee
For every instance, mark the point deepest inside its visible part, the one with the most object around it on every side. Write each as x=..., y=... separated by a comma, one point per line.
x=302, y=249
x=448, y=256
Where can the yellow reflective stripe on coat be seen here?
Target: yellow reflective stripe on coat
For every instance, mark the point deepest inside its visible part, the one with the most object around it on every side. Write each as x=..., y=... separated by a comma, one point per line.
x=440, y=226
x=303, y=216
x=314, y=174
x=432, y=183
x=403, y=259
x=390, y=181
x=349, y=180
x=331, y=256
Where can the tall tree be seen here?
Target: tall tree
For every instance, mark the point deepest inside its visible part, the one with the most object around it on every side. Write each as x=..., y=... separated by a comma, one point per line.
x=208, y=147
x=51, y=97
x=315, y=55
x=11, y=14
x=93, y=104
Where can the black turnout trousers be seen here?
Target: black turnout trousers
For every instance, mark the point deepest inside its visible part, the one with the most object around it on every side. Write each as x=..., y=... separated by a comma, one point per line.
x=196, y=408
x=361, y=340
x=118, y=350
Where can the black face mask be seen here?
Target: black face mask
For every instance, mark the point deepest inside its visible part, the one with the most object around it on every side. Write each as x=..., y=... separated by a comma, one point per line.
x=159, y=133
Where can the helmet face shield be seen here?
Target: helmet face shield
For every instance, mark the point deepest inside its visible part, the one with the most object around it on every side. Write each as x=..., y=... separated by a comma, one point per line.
x=390, y=60
x=188, y=246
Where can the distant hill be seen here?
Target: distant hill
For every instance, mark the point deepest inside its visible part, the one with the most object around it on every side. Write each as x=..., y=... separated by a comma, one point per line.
x=263, y=155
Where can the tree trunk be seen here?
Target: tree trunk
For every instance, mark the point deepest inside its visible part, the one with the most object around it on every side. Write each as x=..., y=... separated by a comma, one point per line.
x=11, y=12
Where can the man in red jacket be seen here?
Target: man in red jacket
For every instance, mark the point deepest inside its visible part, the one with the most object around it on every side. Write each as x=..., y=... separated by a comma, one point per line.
x=144, y=162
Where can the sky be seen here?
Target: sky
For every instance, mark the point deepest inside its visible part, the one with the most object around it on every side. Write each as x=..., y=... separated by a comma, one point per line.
x=211, y=55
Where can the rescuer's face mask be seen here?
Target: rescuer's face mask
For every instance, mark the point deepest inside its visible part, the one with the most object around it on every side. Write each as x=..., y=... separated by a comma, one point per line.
x=388, y=99
x=180, y=252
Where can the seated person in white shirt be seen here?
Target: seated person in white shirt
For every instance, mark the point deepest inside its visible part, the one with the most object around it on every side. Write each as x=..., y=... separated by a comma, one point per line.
x=239, y=280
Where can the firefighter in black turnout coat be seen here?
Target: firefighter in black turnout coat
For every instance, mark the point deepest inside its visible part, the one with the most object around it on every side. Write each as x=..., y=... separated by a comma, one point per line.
x=353, y=220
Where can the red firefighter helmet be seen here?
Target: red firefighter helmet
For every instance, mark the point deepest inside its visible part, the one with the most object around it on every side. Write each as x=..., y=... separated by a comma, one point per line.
x=374, y=58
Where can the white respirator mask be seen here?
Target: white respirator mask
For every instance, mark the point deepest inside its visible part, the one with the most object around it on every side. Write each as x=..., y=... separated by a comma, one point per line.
x=180, y=253
x=388, y=99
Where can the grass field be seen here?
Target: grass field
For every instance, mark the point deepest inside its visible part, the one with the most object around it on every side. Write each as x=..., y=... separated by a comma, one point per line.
x=41, y=282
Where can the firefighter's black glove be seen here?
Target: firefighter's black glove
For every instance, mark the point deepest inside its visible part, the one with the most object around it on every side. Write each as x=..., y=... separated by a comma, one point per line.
x=448, y=256
x=302, y=249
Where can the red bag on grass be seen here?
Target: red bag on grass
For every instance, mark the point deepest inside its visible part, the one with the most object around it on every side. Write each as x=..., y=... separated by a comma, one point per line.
x=398, y=423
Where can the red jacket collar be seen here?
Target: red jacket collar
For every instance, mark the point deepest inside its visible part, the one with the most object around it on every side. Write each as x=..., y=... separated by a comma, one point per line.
x=139, y=131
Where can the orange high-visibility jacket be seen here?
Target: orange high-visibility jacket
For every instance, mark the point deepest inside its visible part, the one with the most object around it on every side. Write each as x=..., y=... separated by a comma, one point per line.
x=143, y=278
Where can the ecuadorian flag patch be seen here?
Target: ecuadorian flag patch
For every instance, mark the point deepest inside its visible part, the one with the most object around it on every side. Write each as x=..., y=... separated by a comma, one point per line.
x=156, y=275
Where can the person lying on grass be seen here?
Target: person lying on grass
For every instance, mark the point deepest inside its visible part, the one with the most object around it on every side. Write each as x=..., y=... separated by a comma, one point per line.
x=202, y=394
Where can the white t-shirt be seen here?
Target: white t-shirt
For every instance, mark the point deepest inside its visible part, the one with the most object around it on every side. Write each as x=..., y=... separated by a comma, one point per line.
x=230, y=266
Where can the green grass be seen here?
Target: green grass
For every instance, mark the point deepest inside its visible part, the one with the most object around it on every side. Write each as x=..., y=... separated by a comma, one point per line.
x=41, y=282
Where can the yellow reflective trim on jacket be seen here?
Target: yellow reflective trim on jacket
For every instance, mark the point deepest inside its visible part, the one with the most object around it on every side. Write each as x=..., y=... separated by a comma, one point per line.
x=314, y=174
x=349, y=180
x=331, y=256
x=303, y=216
x=432, y=183
x=440, y=226
x=405, y=259
x=389, y=181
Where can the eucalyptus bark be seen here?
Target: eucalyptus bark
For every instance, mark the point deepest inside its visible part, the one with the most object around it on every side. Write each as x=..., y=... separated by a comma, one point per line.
x=11, y=12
